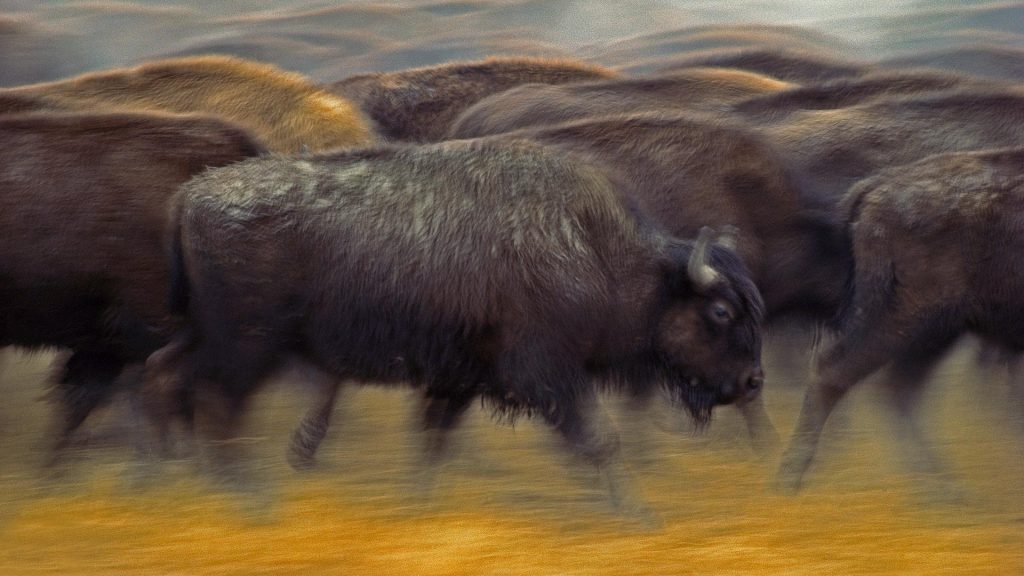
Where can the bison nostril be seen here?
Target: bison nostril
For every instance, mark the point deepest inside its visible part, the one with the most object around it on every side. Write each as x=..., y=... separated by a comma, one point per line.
x=755, y=382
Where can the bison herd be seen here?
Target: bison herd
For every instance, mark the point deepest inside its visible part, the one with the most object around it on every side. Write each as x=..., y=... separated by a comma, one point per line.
x=517, y=231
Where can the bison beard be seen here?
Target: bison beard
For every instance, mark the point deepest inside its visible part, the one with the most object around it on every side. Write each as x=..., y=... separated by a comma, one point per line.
x=698, y=401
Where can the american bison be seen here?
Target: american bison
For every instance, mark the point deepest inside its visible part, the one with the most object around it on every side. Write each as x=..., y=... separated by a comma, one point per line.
x=498, y=269
x=936, y=248
x=648, y=53
x=830, y=150
x=671, y=166
x=11, y=103
x=419, y=105
x=800, y=66
x=976, y=59
x=83, y=219
x=283, y=109
x=708, y=89
x=846, y=92
x=687, y=171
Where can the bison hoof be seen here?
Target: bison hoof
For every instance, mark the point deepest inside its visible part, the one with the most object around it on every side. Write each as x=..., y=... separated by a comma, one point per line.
x=301, y=458
x=788, y=480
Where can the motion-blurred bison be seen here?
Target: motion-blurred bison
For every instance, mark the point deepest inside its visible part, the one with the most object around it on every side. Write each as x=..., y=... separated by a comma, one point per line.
x=937, y=248
x=687, y=171
x=283, y=109
x=830, y=150
x=83, y=219
x=845, y=92
x=708, y=89
x=419, y=105
x=494, y=269
x=800, y=66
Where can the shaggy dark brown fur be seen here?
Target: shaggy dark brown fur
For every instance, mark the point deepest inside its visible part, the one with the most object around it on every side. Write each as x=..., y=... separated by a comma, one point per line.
x=419, y=105
x=846, y=92
x=688, y=171
x=707, y=89
x=830, y=150
x=936, y=247
x=83, y=214
x=12, y=103
x=497, y=269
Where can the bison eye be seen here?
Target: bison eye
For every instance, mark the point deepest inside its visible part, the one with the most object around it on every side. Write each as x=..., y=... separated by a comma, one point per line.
x=721, y=312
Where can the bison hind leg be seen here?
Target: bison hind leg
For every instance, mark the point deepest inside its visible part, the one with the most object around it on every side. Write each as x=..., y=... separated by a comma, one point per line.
x=165, y=394
x=904, y=383
x=312, y=430
x=219, y=371
x=86, y=382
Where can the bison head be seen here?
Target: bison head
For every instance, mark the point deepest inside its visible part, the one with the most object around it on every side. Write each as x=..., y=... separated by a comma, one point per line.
x=709, y=333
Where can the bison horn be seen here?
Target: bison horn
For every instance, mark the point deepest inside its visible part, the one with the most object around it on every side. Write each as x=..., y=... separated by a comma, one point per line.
x=701, y=273
x=728, y=237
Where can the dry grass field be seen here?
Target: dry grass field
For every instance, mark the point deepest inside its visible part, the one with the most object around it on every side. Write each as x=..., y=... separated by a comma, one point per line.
x=509, y=502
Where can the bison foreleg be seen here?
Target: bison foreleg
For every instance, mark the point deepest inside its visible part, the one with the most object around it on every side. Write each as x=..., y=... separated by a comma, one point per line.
x=441, y=416
x=904, y=383
x=763, y=436
x=590, y=434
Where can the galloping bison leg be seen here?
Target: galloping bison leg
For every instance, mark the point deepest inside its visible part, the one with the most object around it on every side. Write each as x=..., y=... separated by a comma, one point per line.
x=86, y=383
x=904, y=383
x=764, y=438
x=1015, y=381
x=224, y=374
x=440, y=417
x=311, y=431
x=164, y=393
x=535, y=374
x=590, y=434
x=642, y=414
x=878, y=336
x=219, y=415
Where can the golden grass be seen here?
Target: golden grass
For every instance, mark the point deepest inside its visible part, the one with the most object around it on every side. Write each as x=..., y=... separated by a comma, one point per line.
x=509, y=505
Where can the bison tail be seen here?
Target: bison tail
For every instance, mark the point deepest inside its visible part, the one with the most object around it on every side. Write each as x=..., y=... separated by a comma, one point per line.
x=871, y=283
x=178, y=295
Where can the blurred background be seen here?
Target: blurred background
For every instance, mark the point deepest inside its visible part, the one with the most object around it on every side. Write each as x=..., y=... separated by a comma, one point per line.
x=509, y=501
